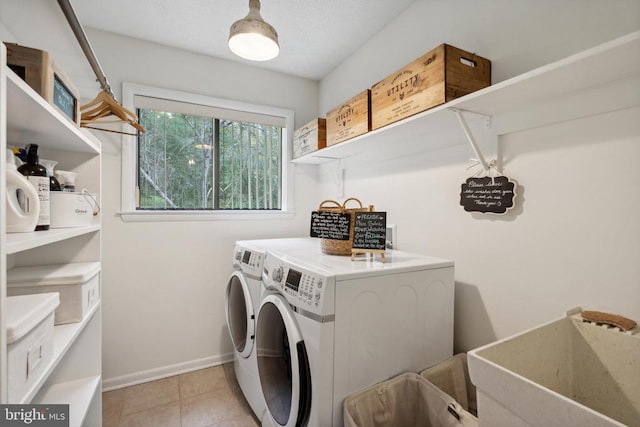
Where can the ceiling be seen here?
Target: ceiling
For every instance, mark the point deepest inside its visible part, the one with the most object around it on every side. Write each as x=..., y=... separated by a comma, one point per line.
x=315, y=36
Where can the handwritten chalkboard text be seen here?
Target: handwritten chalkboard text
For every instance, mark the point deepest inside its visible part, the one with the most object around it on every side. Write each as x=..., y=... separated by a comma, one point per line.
x=488, y=195
x=64, y=99
x=370, y=230
x=330, y=225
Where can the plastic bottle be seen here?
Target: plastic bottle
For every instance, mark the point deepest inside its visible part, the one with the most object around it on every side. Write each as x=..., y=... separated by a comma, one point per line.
x=38, y=177
x=21, y=217
x=54, y=185
x=67, y=180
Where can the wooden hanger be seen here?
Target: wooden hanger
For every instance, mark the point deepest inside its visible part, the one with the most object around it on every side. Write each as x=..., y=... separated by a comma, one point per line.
x=104, y=106
x=104, y=101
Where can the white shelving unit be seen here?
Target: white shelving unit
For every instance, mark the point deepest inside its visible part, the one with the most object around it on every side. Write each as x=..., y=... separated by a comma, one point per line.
x=74, y=375
x=602, y=79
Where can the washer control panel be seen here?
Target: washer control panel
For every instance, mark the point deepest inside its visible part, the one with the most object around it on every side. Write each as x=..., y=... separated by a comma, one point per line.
x=303, y=288
x=306, y=287
x=251, y=262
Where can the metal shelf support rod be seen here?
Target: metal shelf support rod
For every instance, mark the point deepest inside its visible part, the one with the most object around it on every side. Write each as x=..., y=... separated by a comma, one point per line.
x=471, y=139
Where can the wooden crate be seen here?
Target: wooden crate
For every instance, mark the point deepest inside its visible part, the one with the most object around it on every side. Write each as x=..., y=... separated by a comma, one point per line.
x=442, y=74
x=349, y=119
x=38, y=70
x=310, y=137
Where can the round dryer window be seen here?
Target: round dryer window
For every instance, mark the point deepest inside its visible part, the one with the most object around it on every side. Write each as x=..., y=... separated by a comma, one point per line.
x=283, y=365
x=240, y=314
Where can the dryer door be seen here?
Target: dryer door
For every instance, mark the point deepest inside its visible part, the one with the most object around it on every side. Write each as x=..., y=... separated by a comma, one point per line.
x=240, y=314
x=283, y=364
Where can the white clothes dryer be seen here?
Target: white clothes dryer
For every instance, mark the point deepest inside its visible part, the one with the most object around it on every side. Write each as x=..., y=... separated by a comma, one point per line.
x=328, y=326
x=243, y=293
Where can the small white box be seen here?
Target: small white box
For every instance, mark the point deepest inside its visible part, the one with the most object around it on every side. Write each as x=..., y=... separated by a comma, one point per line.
x=72, y=209
x=29, y=342
x=78, y=284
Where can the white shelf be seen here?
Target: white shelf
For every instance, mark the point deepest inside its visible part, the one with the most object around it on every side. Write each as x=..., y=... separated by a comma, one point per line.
x=31, y=119
x=74, y=374
x=64, y=337
x=18, y=242
x=601, y=66
x=78, y=394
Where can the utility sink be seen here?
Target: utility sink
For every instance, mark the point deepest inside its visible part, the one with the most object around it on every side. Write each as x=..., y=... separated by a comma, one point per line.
x=564, y=373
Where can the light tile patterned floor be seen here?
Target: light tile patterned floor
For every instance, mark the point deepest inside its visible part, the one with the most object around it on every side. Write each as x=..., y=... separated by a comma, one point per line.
x=207, y=398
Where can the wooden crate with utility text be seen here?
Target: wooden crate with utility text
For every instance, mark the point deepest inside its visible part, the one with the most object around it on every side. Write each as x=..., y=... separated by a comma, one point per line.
x=349, y=119
x=440, y=75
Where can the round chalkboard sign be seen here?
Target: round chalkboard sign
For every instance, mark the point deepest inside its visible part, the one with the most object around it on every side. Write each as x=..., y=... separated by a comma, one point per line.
x=488, y=194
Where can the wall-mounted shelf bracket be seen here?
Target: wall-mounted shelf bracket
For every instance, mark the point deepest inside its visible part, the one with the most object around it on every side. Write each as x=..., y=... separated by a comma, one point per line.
x=336, y=173
x=465, y=127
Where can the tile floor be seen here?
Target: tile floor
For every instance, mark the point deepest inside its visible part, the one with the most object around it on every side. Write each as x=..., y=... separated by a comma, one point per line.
x=206, y=398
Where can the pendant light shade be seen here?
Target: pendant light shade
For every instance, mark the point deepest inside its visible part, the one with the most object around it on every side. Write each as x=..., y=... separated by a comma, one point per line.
x=252, y=38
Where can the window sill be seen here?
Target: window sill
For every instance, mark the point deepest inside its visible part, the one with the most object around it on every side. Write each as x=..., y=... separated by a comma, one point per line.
x=190, y=216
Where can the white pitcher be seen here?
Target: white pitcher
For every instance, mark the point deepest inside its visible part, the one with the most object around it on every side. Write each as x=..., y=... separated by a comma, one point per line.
x=22, y=215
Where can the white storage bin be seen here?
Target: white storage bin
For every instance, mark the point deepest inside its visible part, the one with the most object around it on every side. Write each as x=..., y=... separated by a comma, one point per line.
x=78, y=285
x=577, y=373
x=29, y=341
x=72, y=209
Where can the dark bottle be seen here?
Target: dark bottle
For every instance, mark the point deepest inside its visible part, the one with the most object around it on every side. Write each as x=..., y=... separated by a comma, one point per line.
x=37, y=175
x=54, y=185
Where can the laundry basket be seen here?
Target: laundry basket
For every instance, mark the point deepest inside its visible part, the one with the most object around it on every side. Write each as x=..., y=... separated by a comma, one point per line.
x=341, y=247
x=452, y=377
x=408, y=400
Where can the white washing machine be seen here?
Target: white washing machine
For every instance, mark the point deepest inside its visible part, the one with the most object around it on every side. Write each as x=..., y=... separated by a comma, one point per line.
x=243, y=292
x=328, y=326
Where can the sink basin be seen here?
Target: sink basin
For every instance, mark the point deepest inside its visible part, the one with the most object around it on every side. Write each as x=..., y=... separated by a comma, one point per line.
x=564, y=373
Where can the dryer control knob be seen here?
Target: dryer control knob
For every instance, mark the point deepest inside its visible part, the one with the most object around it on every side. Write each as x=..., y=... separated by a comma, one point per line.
x=277, y=274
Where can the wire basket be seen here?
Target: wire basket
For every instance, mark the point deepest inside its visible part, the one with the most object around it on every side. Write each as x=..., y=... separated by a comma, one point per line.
x=341, y=247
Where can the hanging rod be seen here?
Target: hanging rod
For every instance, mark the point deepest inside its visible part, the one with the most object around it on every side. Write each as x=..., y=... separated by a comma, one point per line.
x=72, y=18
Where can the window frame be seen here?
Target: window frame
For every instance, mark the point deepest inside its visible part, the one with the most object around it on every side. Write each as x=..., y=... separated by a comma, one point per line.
x=129, y=213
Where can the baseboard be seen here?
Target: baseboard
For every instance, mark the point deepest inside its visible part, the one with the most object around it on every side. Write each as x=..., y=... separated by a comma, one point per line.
x=115, y=383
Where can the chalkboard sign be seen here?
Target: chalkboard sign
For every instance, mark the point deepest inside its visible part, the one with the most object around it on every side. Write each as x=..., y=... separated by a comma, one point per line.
x=63, y=98
x=488, y=195
x=370, y=231
x=330, y=225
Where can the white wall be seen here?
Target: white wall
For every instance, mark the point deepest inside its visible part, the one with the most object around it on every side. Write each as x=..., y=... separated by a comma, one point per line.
x=164, y=282
x=564, y=245
x=516, y=35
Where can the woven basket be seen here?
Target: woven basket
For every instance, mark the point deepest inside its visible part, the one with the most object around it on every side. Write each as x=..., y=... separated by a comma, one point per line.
x=341, y=247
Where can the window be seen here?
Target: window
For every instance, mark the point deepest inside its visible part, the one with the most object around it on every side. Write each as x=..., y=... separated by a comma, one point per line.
x=204, y=155
x=195, y=162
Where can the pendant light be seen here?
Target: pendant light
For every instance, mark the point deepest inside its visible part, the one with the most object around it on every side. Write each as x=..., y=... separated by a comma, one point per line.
x=252, y=38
